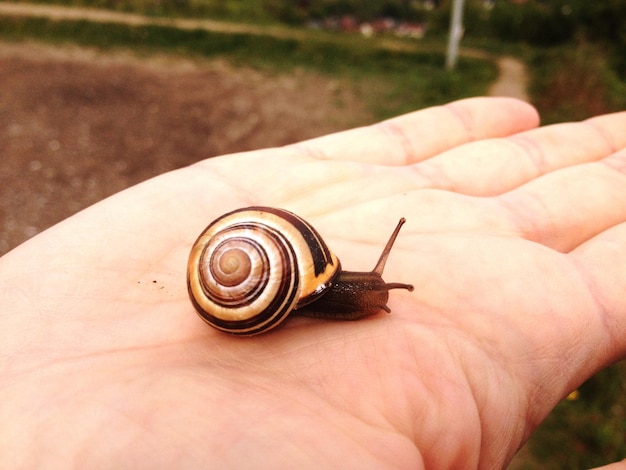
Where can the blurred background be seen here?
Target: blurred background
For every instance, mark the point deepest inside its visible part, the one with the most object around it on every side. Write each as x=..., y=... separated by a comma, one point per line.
x=98, y=95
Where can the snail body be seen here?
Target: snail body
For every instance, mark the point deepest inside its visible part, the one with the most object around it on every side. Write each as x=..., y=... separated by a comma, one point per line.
x=251, y=268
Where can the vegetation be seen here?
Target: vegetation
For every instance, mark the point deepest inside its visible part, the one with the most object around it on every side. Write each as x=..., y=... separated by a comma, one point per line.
x=575, y=50
x=578, y=55
x=364, y=10
x=573, y=83
x=588, y=430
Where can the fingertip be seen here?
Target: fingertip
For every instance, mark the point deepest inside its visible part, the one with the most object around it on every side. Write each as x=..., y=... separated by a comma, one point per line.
x=506, y=115
x=419, y=135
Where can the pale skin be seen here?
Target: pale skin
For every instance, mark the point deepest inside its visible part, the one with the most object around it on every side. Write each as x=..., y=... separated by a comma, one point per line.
x=515, y=241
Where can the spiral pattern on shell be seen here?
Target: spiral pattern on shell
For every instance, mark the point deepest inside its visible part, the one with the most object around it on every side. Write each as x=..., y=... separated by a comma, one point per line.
x=250, y=268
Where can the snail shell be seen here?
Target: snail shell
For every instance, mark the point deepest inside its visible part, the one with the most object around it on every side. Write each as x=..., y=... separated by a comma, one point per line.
x=252, y=267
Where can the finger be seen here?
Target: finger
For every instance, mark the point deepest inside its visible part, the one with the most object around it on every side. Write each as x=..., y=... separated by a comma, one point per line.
x=491, y=167
x=551, y=210
x=560, y=210
x=420, y=135
x=602, y=262
x=567, y=207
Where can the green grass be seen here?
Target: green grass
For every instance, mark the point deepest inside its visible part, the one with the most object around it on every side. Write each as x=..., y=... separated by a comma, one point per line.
x=589, y=431
x=391, y=82
x=574, y=82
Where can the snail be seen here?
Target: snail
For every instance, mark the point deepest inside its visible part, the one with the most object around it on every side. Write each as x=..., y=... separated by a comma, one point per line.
x=252, y=267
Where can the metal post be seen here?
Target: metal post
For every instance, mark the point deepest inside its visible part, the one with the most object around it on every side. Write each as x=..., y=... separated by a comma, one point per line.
x=456, y=31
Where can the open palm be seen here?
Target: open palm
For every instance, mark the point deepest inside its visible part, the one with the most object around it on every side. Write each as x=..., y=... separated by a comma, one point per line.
x=515, y=241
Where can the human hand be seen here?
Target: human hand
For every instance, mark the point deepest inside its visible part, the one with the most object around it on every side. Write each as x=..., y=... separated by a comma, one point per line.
x=515, y=241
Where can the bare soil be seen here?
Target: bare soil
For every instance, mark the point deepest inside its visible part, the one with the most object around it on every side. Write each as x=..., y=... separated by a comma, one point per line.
x=77, y=125
x=512, y=80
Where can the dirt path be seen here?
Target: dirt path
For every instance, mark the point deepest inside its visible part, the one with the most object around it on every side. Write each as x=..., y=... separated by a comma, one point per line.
x=59, y=12
x=512, y=81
